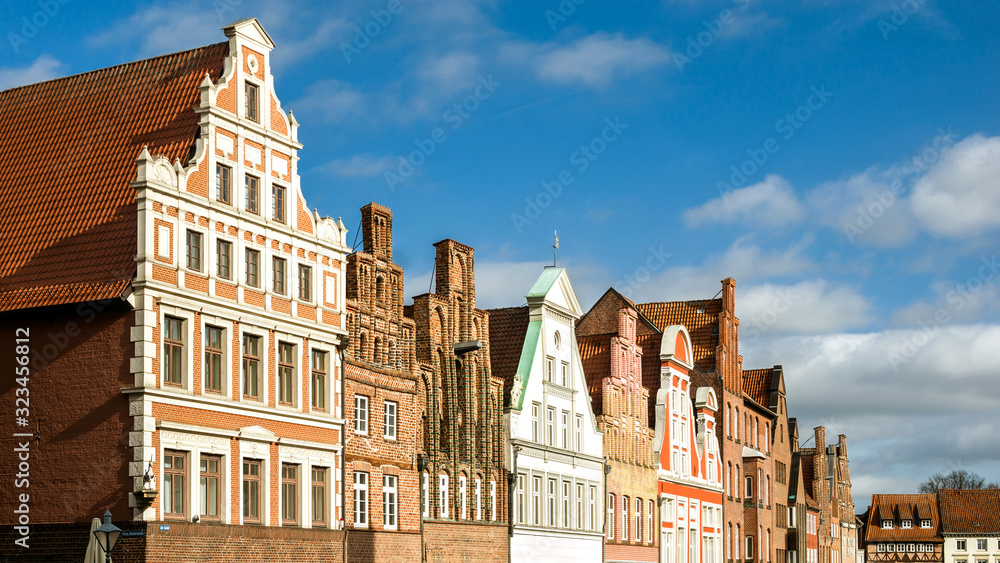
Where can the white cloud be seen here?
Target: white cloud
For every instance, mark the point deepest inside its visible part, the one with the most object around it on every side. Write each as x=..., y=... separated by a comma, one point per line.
x=451, y=72
x=595, y=61
x=959, y=195
x=969, y=300
x=162, y=29
x=808, y=307
x=771, y=202
x=359, y=166
x=332, y=101
x=41, y=69
x=865, y=209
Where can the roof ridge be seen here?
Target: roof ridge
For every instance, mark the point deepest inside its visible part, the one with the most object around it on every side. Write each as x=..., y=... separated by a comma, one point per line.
x=106, y=68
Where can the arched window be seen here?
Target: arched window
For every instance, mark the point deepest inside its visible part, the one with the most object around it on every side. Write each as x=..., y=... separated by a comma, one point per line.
x=736, y=482
x=377, y=351
x=729, y=419
x=767, y=437
x=767, y=491
x=736, y=543
x=380, y=290
x=749, y=545
x=362, y=346
x=749, y=489
x=610, y=524
x=729, y=540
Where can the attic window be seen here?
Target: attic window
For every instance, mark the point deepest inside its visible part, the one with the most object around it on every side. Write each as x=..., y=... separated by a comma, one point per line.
x=926, y=523
x=886, y=524
x=251, y=98
x=700, y=310
x=907, y=524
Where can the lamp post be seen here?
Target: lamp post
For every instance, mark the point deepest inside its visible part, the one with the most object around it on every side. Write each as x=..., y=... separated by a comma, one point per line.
x=107, y=535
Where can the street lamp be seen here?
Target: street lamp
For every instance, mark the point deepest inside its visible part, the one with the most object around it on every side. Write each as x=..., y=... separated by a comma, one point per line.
x=107, y=535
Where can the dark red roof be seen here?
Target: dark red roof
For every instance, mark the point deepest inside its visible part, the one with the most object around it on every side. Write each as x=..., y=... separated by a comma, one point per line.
x=757, y=385
x=701, y=318
x=970, y=511
x=70, y=146
x=595, y=354
x=507, y=329
x=898, y=508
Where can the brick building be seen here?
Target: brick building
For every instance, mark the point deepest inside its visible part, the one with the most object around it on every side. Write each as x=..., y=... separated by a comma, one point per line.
x=612, y=357
x=460, y=431
x=827, y=479
x=904, y=529
x=383, y=403
x=185, y=310
x=556, y=448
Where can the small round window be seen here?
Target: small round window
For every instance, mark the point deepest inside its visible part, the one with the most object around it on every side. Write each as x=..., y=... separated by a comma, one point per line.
x=558, y=339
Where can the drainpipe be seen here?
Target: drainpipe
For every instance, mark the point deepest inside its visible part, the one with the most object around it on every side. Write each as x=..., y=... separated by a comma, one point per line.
x=343, y=447
x=604, y=531
x=421, y=467
x=511, y=489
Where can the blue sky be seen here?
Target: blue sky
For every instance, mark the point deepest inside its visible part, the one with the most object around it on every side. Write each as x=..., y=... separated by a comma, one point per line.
x=839, y=158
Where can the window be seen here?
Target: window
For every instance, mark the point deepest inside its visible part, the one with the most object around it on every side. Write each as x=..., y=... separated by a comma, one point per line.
x=252, y=184
x=625, y=509
x=959, y=544
x=749, y=487
x=360, y=414
x=592, y=507
x=749, y=545
x=552, y=502
x=479, y=499
x=881, y=548
x=550, y=421
x=278, y=271
x=209, y=490
x=250, y=99
x=223, y=182
x=534, y=421
x=579, y=507
x=519, y=499
x=278, y=203
x=251, y=367
x=564, y=374
x=907, y=524
x=650, y=512
x=289, y=494
x=981, y=544
x=886, y=524
x=224, y=259
x=305, y=283
x=926, y=523
x=638, y=519
x=361, y=499
x=767, y=437
x=318, y=497
x=462, y=497
x=578, y=431
x=564, y=430
x=390, y=420
x=426, y=494
x=493, y=501
x=253, y=267
x=767, y=490
x=319, y=380
x=251, y=491
x=173, y=351
x=194, y=250
x=911, y=548
x=286, y=374
x=174, y=484
x=536, y=501
x=550, y=367
x=213, y=359
x=443, y=495
x=390, y=506
x=566, y=512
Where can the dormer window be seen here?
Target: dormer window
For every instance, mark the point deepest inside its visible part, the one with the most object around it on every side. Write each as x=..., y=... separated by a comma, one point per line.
x=886, y=524
x=250, y=92
x=907, y=524
x=926, y=523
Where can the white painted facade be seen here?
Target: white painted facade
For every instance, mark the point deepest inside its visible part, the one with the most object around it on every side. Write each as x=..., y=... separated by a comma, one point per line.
x=555, y=450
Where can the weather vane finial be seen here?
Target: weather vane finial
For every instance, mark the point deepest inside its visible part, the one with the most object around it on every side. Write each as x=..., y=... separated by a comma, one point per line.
x=555, y=249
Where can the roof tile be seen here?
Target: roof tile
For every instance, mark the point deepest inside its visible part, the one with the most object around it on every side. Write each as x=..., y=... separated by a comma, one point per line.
x=970, y=511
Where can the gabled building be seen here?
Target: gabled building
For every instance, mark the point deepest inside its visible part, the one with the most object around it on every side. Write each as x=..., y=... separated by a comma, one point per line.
x=904, y=528
x=183, y=309
x=555, y=456
x=970, y=525
x=827, y=479
x=384, y=402
x=613, y=365
x=689, y=457
x=460, y=449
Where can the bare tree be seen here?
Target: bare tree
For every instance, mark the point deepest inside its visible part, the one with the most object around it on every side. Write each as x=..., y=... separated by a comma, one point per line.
x=957, y=479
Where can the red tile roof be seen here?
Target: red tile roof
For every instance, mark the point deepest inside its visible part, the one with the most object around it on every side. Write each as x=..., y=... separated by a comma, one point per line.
x=971, y=511
x=701, y=318
x=507, y=329
x=70, y=147
x=757, y=385
x=898, y=508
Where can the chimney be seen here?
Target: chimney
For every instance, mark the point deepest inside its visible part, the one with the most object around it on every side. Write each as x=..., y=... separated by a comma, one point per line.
x=376, y=230
x=454, y=270
x=729, y=296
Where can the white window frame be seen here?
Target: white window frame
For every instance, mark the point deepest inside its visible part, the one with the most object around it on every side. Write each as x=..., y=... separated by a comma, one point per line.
x=479, y=499
x=390, y=502
x=443, y=495
x=519, y=498
x=391, y=412
x=361, y=517
x=426, y=494
x=462, y=497
x=493, y=499
x=361, y=403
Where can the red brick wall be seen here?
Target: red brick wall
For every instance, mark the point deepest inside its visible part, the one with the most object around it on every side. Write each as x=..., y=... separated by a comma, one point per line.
x=77, y=413
x=366, y=545
x=482, y=543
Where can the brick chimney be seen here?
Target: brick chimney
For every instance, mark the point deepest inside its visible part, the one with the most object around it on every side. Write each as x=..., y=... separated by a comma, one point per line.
x=376, y=230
